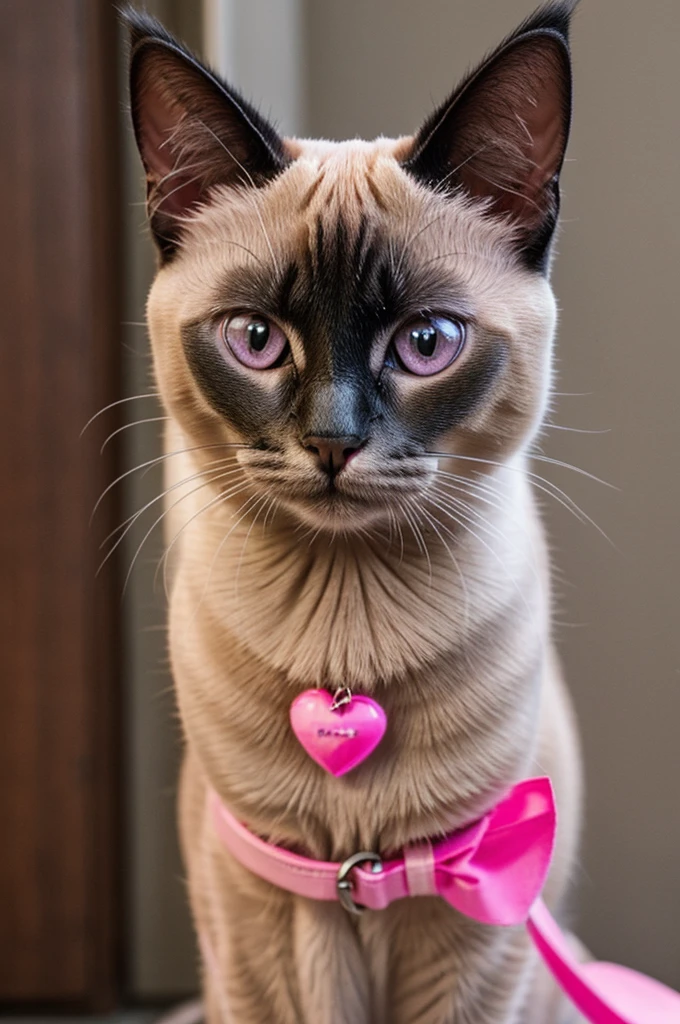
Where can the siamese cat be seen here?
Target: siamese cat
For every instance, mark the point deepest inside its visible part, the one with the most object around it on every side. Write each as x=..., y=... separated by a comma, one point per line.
x=353, y=343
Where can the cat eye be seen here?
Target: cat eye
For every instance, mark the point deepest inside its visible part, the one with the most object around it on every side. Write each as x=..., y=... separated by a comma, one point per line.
x=255, y=341
x=429, y=345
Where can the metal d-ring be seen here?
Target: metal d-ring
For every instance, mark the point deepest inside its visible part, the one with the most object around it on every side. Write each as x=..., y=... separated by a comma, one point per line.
x=344, y=883
x=342, y=696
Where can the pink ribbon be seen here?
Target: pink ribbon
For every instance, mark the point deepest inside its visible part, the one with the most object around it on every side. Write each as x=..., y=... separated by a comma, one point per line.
x=504, y=860
x=492, y=871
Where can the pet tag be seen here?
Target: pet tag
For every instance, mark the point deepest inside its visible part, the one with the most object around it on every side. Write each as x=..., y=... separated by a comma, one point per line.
x=340, y=731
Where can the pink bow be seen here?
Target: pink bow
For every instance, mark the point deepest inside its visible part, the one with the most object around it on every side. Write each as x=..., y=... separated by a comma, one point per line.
x=494, y=870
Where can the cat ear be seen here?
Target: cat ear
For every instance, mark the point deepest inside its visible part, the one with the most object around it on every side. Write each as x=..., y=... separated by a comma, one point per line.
x=193, y=132
x=501, y=137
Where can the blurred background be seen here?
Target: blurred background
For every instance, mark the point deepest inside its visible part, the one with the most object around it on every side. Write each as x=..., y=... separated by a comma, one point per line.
x=92, y=902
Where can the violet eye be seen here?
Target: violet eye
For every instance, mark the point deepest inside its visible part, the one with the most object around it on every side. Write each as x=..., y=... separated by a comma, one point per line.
x=255, y=341
x=429, y=345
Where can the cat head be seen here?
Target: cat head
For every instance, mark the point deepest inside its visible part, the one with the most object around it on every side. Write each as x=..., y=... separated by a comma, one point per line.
x=344, y=310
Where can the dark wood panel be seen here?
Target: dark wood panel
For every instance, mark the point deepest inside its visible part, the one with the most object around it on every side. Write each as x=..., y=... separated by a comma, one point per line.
x=58, y=628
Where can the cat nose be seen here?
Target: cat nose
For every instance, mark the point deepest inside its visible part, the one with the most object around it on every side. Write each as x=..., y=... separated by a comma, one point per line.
x=333, y=453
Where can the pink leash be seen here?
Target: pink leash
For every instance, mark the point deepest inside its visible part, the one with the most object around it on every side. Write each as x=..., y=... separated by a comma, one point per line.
x=493, y=871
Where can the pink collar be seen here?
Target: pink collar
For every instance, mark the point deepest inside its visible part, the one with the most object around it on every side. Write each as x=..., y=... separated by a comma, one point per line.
x=492, y=871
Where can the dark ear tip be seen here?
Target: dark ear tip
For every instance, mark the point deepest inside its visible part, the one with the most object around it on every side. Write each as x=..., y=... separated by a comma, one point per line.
x=470, y=146
x=554, y=16
x=142, y=26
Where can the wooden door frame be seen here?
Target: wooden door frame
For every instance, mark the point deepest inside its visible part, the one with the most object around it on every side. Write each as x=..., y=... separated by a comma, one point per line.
x=60, y=887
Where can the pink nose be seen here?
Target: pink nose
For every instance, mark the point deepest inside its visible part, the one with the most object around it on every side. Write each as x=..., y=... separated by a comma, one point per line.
x=332, y=453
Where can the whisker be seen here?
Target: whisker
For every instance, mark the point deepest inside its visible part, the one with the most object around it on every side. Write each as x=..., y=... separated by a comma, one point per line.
x=243, y=509
x=257, y=508
x=498, y=505
x=239, y=245
x=164, y=513
x=219, y=464
x=390, y=523
x=481, y=482
x=574, y=469
x=136, y=423
x=460, y=503
x=270, y=511
x=412, y=238
x=464, y=490
x=250, y=195
x=572, y=394
x=310, y=532
x=401, y=539
x=517, y=469
x=449, y=512
x=419, y=539
x=156, y=522
x=574, y=430
x=538, y=481
x=462, y=163
x=180, y=169
x=480, y=521
x=463, y=582
x=474, y=255
x=111, y=405
x=510, y=191
x=221, y=498
x=156, y=461
x=155, y=207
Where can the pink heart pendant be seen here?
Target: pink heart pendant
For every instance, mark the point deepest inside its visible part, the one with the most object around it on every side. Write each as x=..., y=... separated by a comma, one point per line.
x=338, y=736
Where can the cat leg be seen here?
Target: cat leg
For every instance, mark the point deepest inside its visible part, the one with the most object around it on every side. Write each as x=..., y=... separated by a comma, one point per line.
x=280, y=959
x=247, y=945
x=444, y=969
x=331, y=968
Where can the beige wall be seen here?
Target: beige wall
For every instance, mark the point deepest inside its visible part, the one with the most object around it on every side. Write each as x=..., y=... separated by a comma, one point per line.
x=377, y=67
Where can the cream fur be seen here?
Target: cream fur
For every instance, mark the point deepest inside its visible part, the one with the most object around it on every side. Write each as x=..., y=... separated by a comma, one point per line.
x=457, y=650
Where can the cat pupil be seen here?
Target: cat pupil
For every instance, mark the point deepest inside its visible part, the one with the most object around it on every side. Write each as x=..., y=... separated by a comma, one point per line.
x=258, y=335
x=424, y=340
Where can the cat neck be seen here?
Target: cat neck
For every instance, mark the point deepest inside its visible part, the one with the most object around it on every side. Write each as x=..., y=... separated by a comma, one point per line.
x=359, y=610
x=451, y=642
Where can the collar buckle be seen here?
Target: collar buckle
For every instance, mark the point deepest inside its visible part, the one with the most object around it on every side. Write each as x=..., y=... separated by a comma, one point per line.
x=344, y=884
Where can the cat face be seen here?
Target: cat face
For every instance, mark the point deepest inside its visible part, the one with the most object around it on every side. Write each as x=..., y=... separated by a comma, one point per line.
x=345, y=311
